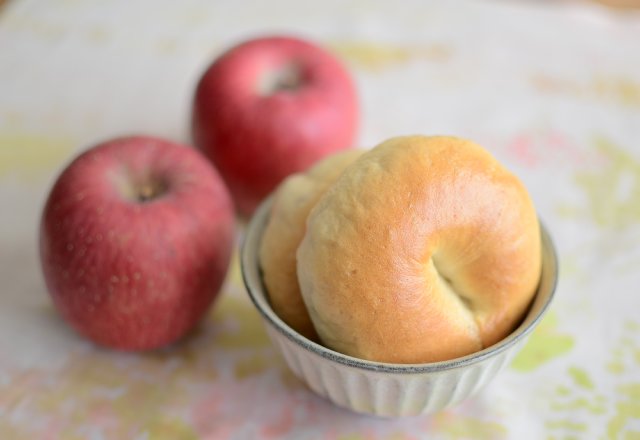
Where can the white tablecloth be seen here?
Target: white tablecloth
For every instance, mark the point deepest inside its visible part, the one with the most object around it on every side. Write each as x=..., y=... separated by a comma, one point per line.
x=551, y=88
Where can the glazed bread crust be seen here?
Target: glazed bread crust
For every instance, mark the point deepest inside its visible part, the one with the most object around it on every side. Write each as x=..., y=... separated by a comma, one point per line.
x=285, y=228
x=425, y=249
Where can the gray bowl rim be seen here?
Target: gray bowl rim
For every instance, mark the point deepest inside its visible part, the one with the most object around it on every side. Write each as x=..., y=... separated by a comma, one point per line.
x=249, y=267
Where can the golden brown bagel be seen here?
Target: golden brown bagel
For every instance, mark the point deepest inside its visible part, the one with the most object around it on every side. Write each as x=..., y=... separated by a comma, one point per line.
x=425, y=249
x=292, y=202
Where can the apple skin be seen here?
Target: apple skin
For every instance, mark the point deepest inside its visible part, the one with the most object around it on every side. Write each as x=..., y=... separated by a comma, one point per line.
x=270, y=107
x=135, y=241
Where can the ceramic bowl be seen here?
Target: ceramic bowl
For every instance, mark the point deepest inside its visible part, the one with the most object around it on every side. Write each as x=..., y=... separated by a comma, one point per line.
x=385, y=389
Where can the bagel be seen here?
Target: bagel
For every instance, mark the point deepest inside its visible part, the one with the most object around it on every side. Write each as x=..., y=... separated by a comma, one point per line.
x=425, y=249
x=292, y=201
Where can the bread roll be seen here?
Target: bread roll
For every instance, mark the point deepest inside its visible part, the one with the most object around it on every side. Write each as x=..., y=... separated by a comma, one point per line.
x=425, y=249
x=286, y=226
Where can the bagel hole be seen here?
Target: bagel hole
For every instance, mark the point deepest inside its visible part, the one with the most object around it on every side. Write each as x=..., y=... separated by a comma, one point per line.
x=466, y=304
x=452, y=287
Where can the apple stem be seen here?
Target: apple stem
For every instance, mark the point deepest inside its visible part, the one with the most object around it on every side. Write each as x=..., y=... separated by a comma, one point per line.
x=149, y=191
x=289, y=82
x=288, y=78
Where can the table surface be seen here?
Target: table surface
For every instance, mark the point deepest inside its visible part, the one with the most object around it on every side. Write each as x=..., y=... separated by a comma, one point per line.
x=550, y=88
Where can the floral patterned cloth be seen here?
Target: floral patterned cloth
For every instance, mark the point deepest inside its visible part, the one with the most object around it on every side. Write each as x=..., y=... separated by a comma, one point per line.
x=551, y=88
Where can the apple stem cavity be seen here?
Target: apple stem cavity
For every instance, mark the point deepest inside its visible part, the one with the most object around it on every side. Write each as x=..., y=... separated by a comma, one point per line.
x=289, y=78
x=141, y=190
x=150, y=190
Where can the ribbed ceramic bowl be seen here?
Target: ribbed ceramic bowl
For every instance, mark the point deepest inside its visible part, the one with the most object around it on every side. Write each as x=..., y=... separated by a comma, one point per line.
x=384, y=389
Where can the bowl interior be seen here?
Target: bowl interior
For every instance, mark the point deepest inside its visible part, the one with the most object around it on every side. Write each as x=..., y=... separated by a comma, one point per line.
x=257, y=292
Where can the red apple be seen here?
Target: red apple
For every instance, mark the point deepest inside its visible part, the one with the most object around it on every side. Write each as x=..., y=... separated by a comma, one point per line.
x=135, y=241
x=270, y=107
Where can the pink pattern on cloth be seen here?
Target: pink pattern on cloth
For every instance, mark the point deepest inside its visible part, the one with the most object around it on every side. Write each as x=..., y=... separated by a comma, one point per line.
x=549, y=147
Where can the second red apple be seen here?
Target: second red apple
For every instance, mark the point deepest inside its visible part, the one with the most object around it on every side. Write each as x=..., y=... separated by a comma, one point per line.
x=270, y=107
